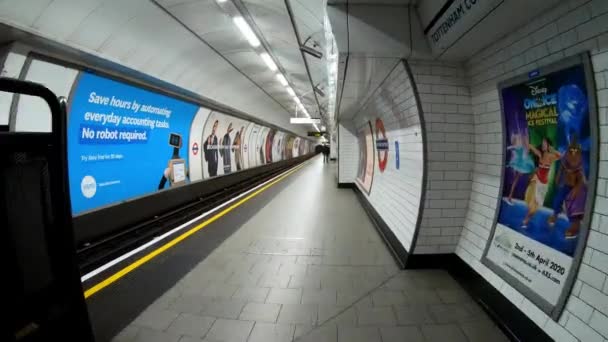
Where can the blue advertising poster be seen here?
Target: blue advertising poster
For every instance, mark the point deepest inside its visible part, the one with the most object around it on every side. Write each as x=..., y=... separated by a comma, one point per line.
x=547, y=129
x=124, y=142
x=547, y=182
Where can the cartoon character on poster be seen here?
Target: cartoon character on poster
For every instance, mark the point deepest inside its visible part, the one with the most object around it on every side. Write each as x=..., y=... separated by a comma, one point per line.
x=548, y=155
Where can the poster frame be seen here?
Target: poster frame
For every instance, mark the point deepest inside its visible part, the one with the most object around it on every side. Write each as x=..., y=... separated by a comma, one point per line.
x=368, y=124
x=553, y=311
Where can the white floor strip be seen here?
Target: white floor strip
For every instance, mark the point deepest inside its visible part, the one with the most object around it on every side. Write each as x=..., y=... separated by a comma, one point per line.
x=175, y=230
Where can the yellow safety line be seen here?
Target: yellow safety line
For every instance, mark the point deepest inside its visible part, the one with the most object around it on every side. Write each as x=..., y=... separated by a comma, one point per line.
x=108, y=281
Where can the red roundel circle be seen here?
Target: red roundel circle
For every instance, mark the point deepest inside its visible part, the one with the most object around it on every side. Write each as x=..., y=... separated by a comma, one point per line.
x=381, y=145
x=195, y=148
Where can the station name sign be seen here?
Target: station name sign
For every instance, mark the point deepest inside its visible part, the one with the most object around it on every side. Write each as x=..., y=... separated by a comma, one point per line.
x=457, y=20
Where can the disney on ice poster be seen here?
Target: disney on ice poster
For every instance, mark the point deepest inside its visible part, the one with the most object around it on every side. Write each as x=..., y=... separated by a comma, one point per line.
x=550, y=166
x=547, y=154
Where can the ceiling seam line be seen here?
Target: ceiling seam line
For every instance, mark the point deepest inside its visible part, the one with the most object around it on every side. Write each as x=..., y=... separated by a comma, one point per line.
x=217, y=52
x=295, y=30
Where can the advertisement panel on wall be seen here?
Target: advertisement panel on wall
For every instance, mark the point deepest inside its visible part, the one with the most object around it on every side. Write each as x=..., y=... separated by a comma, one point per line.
x=548, y=180
x=222, y=144
x=365, y=174
x=268, y=146
x=124, y=142
x=246, y=138
x=296, y=147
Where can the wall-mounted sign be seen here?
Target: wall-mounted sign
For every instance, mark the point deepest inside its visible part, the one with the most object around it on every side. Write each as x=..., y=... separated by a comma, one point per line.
x=397, y=155
x=316, y=134
x=381, y=145
x=548, y=182
x=460, y=16
x=304, y=121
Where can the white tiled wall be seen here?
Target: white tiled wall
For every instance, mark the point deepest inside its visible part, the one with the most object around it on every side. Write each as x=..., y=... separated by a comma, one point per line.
x=348, y=153
x=573, y=27
x=396, y=193
x=446, y=104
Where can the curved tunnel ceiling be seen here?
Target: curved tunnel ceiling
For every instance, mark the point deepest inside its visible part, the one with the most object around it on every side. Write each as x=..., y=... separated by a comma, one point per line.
x=190, y=43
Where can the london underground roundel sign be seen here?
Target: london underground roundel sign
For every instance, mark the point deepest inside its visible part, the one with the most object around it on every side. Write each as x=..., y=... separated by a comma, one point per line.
x=381, y=145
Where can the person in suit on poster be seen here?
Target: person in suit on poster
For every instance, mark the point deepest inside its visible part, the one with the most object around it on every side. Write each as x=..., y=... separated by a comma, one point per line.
x=225, y=152
x=210, y=151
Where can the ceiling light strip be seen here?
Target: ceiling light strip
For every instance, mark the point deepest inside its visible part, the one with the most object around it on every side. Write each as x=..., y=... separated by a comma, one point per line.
x=251, y=37
x=256, y=42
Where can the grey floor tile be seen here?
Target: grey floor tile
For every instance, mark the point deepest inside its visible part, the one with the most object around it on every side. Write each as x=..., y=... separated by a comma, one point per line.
x=191, y=325
x=442, y=333
x=274, y=281
x=155, y=319
x=219, y=290
x=127, y=334
x=265, y=267
x=413, y=315
x=224, y=308
x=336, y=259
x=327, y=311
x=309, y=260
x=422, y=296
x=482, y=331
x=451, y=313
x=337, y=281
x=326, y=333
x=149, y=335
x=284, y=296
x=261, y=312
x=376, y=316
x=305, y=282
x=270, y=332
x=400, y=282
x=251, y=294
x=244, y=279
x=401, y=334
x=301, y=330
x=189, y=339
x=192, y=304
x=319, y=296
x=347, y=317
x=388, y=297
x=358, y=334
x=229, y=330
x=352, y=296
x=292, y=269
x=455, y=295
x=298, y=314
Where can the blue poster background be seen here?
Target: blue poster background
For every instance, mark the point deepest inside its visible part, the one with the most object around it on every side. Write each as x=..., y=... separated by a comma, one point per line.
x=118, y=141
x=565, y=93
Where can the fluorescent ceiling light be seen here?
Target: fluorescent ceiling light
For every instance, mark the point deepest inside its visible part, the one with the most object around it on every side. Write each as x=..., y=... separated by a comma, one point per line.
x=269, y=62
x=291, y=92
x=246, y=31
x=304, y=121
x=220, y=1
x=282, y=79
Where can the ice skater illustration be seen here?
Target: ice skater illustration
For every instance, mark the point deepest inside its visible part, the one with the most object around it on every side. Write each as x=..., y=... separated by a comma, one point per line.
x=521, y=163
